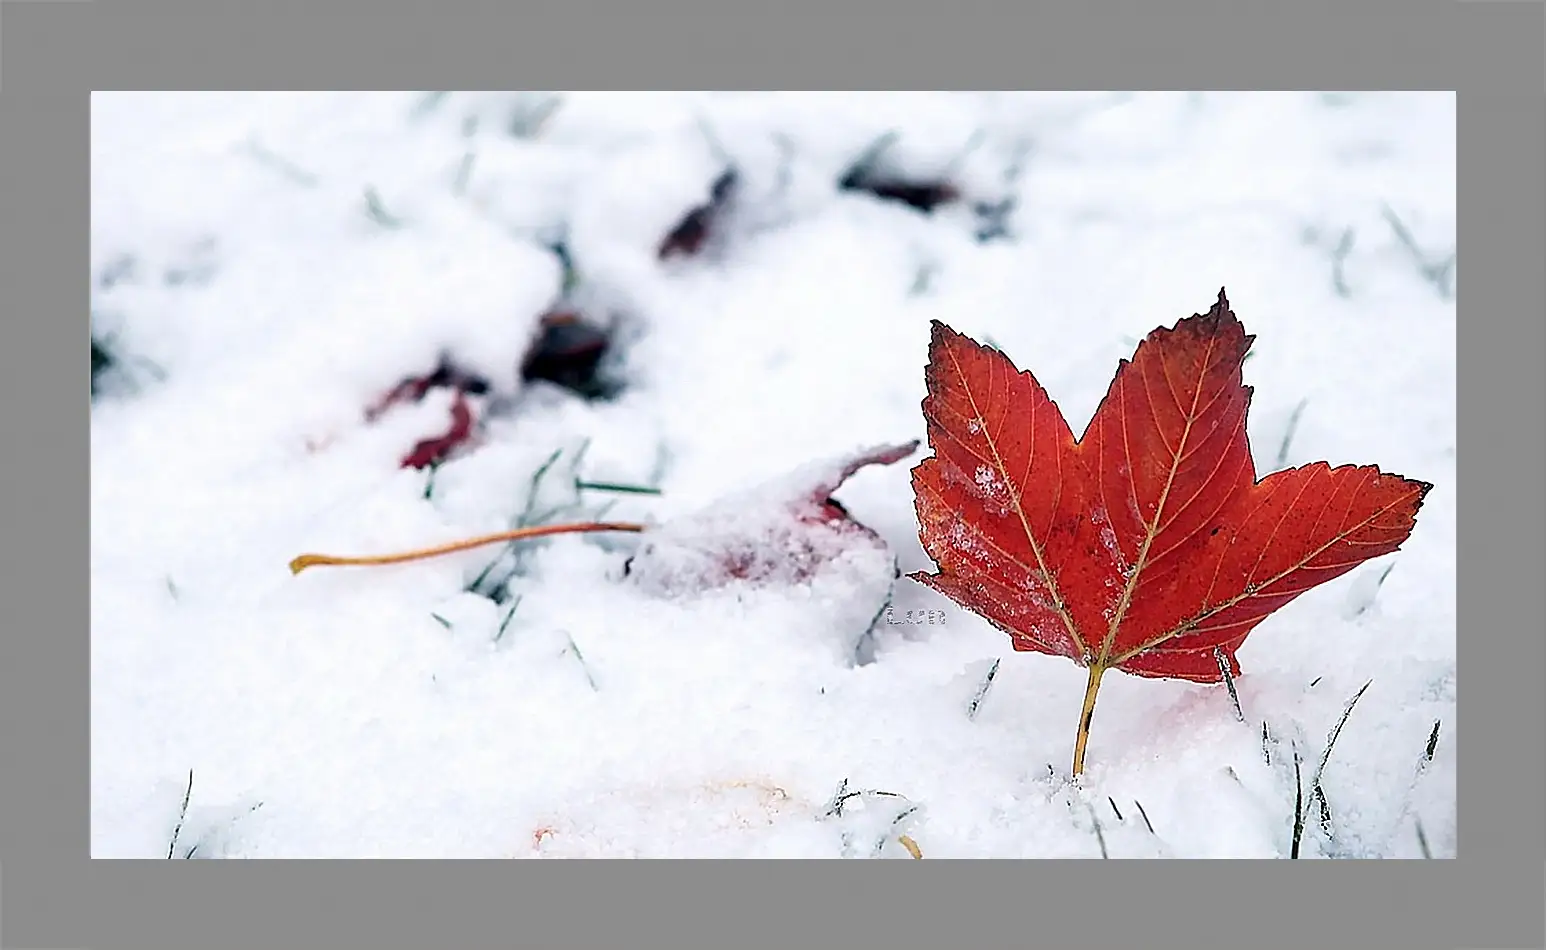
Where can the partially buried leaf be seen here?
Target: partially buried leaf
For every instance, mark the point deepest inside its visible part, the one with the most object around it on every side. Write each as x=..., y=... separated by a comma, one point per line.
x=568, y=351
x=688, y=236
x=1148, y=543
x=447, y=375
x=782, y=531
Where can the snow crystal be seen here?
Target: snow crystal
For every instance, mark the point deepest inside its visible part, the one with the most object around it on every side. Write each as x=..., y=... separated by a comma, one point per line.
x=968, y=542
x=1109, y=541
x=992, y=487
x=1037, y=591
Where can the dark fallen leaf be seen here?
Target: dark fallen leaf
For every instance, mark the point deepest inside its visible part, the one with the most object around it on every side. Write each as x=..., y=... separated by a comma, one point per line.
x=922, y=196
x=102, y=360
x=688, y=236
x=568, y=352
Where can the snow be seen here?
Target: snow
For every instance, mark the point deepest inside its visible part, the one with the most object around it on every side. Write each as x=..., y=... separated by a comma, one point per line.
x=388, y=711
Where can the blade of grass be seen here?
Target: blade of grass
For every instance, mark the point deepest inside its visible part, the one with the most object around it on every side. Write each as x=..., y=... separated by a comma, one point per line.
x=922, y=278
x=835, y=804
x=842, y=796
x=1142, y=814
x=1299, y=827
x=428, y=103
x=1318, y=793
x=712, y=140
x=882, y=841
x=1437, y=274
x=1419, y=768
x=279, y=164
x=1224, y=670
x=865, y=643
x=1101, y=839
x=978, y=697
x=464, y=174
x=974, y=142
x=1337, y=730
x=571, y=277
x=1339, y=256
x=378, y=211
x=523, y=519
x=1289, y=434
x=615, y=487
x=865, y=162
x=515, y=602
x=205, y=837
x=181, y=815
x=1380, y=579
x=528, y=119
x=574, y=648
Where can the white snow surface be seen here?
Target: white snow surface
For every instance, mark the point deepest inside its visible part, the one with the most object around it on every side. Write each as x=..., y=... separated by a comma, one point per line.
x=389, y=712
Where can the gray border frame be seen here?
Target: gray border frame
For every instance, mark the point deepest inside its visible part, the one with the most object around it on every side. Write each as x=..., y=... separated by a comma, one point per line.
x=53, y=895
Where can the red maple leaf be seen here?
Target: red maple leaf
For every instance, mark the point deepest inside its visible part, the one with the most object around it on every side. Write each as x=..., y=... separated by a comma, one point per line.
x=1149, y=544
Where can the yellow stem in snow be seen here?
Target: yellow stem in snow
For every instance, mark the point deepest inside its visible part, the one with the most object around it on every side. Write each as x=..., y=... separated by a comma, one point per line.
x=304, y=561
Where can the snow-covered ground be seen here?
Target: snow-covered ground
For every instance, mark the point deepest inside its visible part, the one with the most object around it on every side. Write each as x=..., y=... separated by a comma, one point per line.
x=257, y=301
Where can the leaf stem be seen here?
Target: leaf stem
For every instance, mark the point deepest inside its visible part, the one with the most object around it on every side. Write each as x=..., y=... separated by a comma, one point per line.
x=1092, y=684
x=302, y=562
